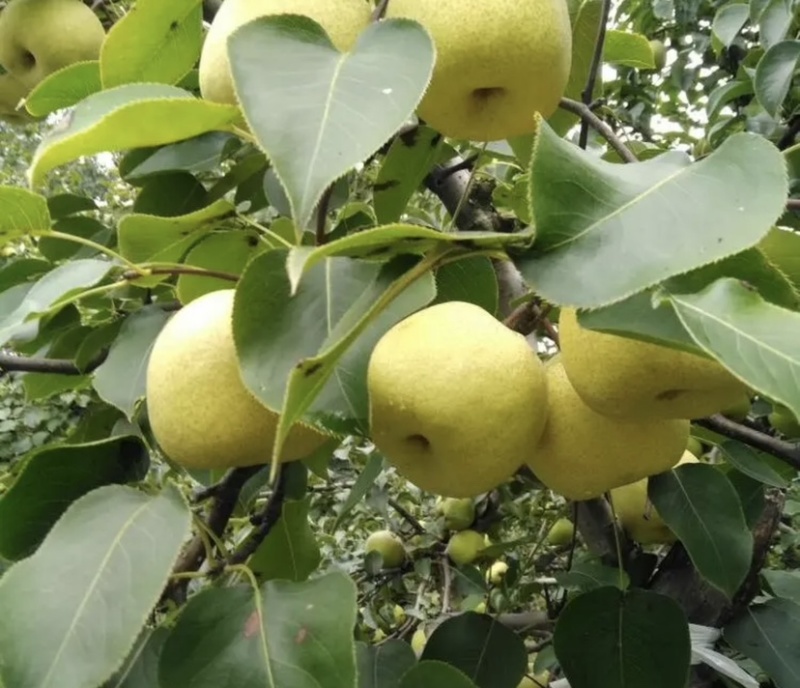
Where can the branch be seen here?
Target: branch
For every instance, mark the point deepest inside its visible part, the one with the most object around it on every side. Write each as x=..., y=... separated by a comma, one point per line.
x=210, y=9
x=595, y=522
x=590, y=119
x=180, y=270
x=407, y=516
x=785, y=451
x=793, y=204
x=64, y=366
x=594, y=70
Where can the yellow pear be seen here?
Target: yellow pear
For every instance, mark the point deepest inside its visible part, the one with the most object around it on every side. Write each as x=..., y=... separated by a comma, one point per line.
x=497, y=63
x=39, y=37
x=561, y=533
x=638, y=516
x=388, y=545
x=583, y=453
x=784, y=421
x=199, y=409
x=458, y=513
x=457, y=400
x=497, y=572
x=343, y=20
x=12, y=91
x=695, y=446
x=620, y=376
x=465, y=547
x=418, y=641
x=538, y=681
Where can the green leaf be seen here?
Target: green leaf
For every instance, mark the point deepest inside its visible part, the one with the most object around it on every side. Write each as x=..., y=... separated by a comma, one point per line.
x=21, y=270
x=702, y=508
x=486, y=651
x=432, y=674
x=21, y=212
x=592, y=574
x=767, y=633
x=156, y=43
x=756, y=341
x=290, y=551
x=120, y=380
x=366, y=478
x=172, y=194
x=64, y=88
x=70, y=635
x=336, y=109
x=80, y=226
x=664, y=216
x=782, y=249
x=471, y=279
x=628, y=49
x=636, y=638
x=65, y=204
x=749, y=462
x=751, y=495
x=54, y=477
x=199, y=154
x=774, y=74
x=728, y=22
x=774, y=22
x=39, y=386
x=130, y=116
x=284, y=634
x=383, y=666
x=783, y=583
x=409, y=159
x=141, y=667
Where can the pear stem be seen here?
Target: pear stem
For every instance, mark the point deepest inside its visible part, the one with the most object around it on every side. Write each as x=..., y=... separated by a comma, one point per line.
x=590, y=119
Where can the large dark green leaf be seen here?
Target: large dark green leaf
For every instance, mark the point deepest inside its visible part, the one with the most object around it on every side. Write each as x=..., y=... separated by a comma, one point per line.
x=331, y=110
x=383, y=666
x=433, y=674
x=751, y=463
x=607, y=638
x=783, y=583
x=728, y=22
x=774, y=75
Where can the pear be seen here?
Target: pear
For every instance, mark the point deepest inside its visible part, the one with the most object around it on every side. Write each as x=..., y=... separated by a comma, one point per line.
x=465, y=547
x=39, y=37
x=418, y=640
x=458, y=513
x=738, y=410
x=457, y=400
x=12, y=91
x=659, y=53
x=497, y=63
x=497, y=572
x=695, y=446
x=561, y=533
x=624, y=377
x=583, y=453
x=784, y=421
x=199, y=409
x=638, y=516
x=388, y=545
x=343, y=21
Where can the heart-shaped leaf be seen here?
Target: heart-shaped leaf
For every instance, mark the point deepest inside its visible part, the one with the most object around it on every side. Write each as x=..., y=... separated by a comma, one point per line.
x=317, y=112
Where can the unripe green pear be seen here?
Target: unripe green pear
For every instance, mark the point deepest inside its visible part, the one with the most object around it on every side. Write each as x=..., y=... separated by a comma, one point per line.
x=659, y=53
x=561, y=532
x=388, y=545
x=739, y=410
x=458, y=513
x=465, y=547
x=783, y=420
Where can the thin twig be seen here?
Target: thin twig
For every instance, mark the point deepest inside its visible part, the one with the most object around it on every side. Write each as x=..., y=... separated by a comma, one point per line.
x=594, y=70
x=446, y=583
x=322, y=215
x=407, y=516
x=590, y=119
x=62, y=366
x=380, y=10
x=785, y=451
x=179, y=270
x=793, y=204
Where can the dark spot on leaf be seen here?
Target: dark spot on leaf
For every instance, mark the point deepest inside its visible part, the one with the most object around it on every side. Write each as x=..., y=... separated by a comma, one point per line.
x=435, y=140
x=409, y=138
x=173, y=26
x=252, y=240
x=301, y=636
x=382, y=186
x=313, y=369
x=252, y=625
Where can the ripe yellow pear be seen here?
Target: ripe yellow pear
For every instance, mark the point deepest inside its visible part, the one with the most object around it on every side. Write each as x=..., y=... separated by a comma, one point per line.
x=465, y=547
x=12, y=91
x=418, y=641
x=457, y=400
x=458, y=513
x=343, y=21
x=624, y=377
x=638, y=516
x=39, y=37
x=388, y=545
x=784, y=421
x=199, y=409
x=497, y=572
x=497, y=63
x=583, y=453
x=561, y=533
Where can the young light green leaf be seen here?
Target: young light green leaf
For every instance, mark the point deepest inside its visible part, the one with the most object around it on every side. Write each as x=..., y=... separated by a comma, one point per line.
x=728, y=22
x=68, y=635
x=327, y=97
x=767, y=633
x=756, y=341
x=472, y=279
x=157, y=43
x=774, y=74
x=284, y=634
x=664, y=215
x=64, y=88
x=432, y=674
x=702, y=508
x=383, y=666
x=628, y=49
x=129, y=116
x=636, y=638
x=21, y=212
x=782, y=249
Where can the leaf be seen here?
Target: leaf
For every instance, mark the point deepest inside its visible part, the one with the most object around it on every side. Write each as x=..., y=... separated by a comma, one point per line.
x=767, y=634
x=592, y=574
x=408, y=160
x=728, y=22
x=52, y=287
x=749, y=462
x=199, y=154
x=774, y=22
x=64, y=88
x=336, y=109
x=782, y=249
x=130, y=116
x=628, y=49
x=471, y=279
x=69, y=635
x=664, y=215
x=702, y=508
x=487, y=652
x=157, y=42
x=21, y=270
x=751, y=495
x=290, y=551
x=431, y=674
x=783, y=583
x=756, y=341
x=57, y=475
x=21, y=212
x=362, y=486
x=383, y=666
x=636, y=639
x=120, y=380
x=172, y=194
x=141, y=667
x=65, y=204
x=284, y=634
x=774, y=74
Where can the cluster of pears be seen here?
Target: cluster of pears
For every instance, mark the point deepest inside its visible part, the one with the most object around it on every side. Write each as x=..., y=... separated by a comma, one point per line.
x=497, y=64
x=459, y=402
x=37, y=38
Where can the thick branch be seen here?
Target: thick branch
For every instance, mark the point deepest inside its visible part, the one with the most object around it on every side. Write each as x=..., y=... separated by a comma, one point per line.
x=785, y=451
x=590, y=119
x=596, y=524
x=28, y=364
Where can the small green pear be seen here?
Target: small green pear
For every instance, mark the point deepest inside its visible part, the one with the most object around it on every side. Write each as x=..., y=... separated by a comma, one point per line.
x=659, y=53
x=465, y=547
x=458, y=513
x=388, y=545
x=784, y=421
x=738, y=410
x=561, y=532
